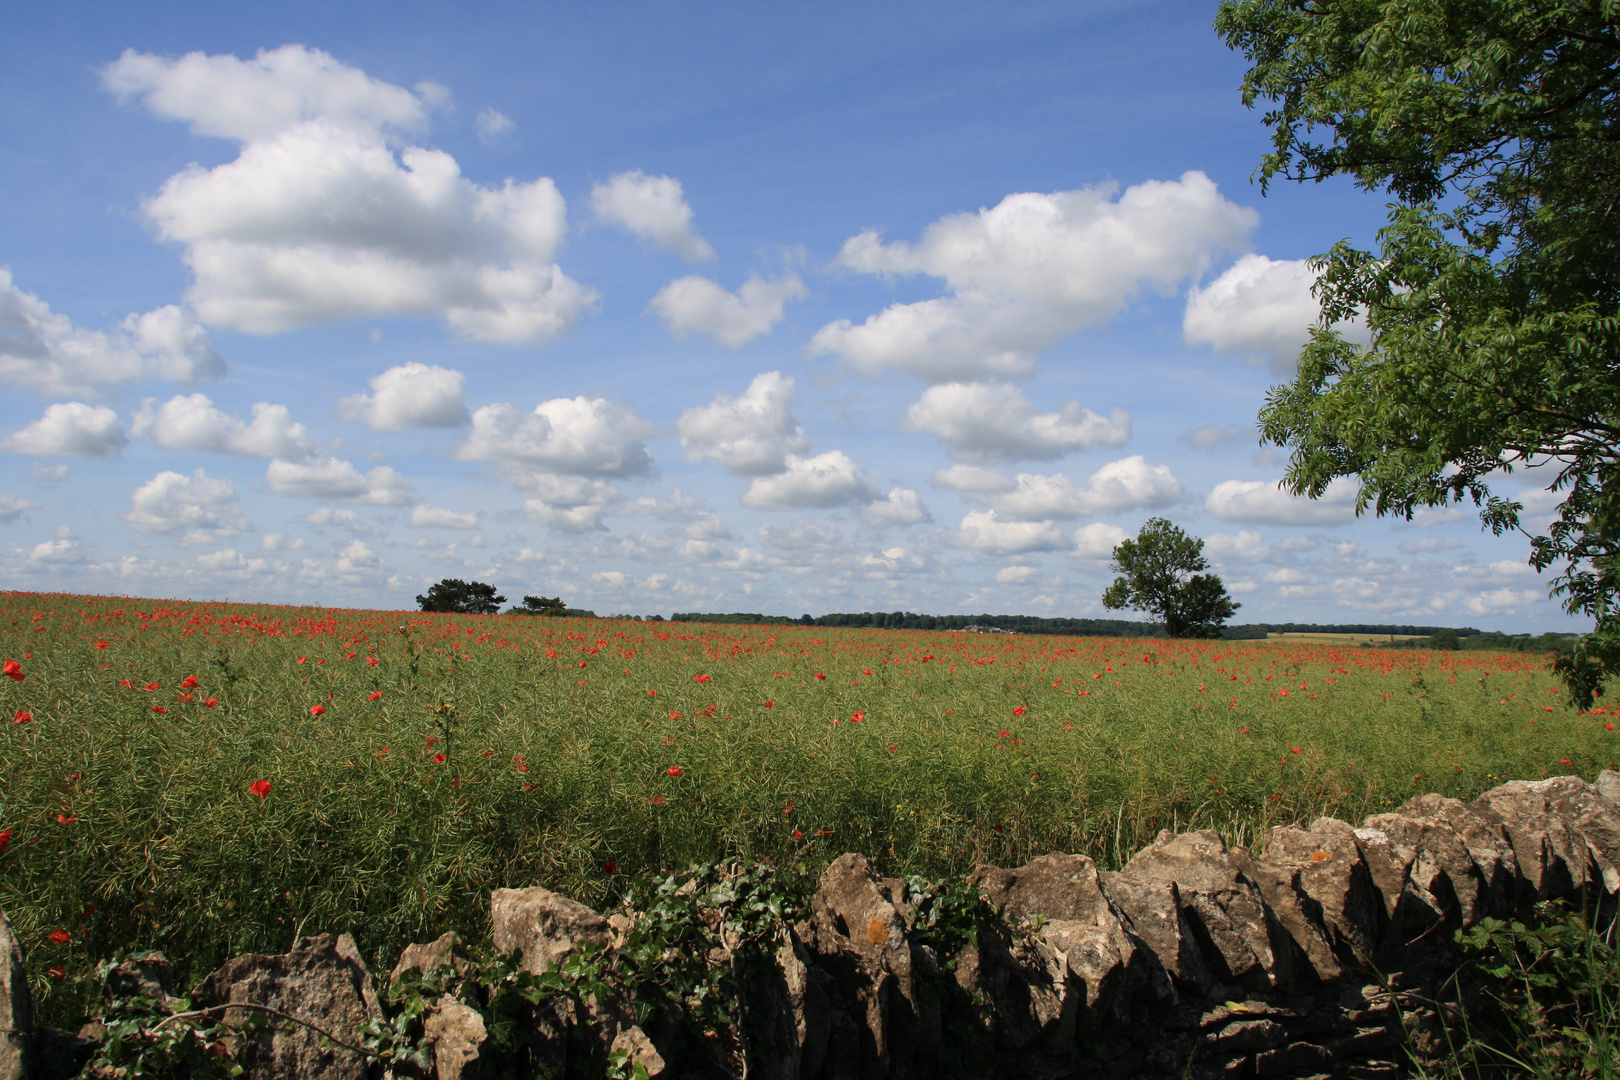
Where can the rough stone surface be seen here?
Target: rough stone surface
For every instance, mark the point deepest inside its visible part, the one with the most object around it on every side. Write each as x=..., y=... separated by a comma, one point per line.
x=443, y=951
x=1151, y=912
x=458, y=1035
x=860, y=938
x=543, y=926
x=1324, y=864
x=322, y=981
x=16, y=1005
x=1063, y=893
x=1241, y=936
x=1538, y=818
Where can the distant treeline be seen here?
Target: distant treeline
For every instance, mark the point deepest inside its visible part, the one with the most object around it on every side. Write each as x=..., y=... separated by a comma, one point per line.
x=909, y=620
x=1419, y=637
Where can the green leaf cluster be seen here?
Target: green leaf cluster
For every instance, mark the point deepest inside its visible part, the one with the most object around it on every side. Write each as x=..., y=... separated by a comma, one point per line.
x=1160, y=573
x=1493, y=297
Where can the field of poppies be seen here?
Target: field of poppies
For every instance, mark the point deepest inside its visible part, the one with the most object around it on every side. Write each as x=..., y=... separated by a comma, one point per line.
x=212, y=778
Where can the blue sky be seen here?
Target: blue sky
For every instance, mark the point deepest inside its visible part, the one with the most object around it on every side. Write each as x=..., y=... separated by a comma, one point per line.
x=725, y=307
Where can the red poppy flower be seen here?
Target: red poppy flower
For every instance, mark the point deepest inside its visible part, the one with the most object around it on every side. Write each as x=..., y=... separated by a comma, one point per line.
x=675, y=715
x=259, y=788
x=656, y=800
x=772, y=705
x=375, y=695
x=700, y=678
x=5, y=838
x=674, y=770
x=1296, y=750
x=1018, y=710
x=101, y=644
x=63, y=819
x=610, y=867
x=317, y=710
x=22, y=717
x=522, y=768
x=209, y=703
x=188, y=682
x=373, y=660
x=302, y=659
x=439, y=758
x=60, y=937
x=857, y=716
x=582, y=663
x=150, y=687
x=13, y=670
x=1004, y=735
x=162, y=709
x=820, y=676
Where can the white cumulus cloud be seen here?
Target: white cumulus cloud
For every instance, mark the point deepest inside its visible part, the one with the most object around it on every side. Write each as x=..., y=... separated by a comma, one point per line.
x=581, y=435
x=984, y=532
x=1242, y=547
x=424, y=516
x=1126, y=484
x=409, y=396
x=1264, y=502
x=70, y=429
x=334, y=478
x=1098, y=540
x=653, y=208
x=172, y=502
x=43, y=351
x=751, y=434
x=900, y=507
x=733, y=319
x=493, y=126
x=986, y=423
x=826, y=480
x=1259, y=307
x=319, y=219
x=1025, y=273
x=191, y=422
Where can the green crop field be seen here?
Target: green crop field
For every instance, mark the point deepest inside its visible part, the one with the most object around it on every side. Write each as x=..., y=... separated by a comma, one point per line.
x=211, y=778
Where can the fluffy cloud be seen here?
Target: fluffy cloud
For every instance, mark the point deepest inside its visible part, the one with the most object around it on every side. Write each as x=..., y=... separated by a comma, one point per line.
x=581, y=435
x=1016, y=575
x=333, y=478
x=972, y=480
x=409, y=396
x=1259, y=307
x=492, y=127
x=13, y=508
x=171, y=502
x=317, y=219
x=732, y=318
x=984, y=532
x=70, y=429
x=1098, y=540
x=826, y=480
x=752, y=434
x=987, y=423
x=424, y=516
x=565, y=503
x=1244, y=547
x=1030, y=270
x=43, y=351
x=1120, y=485
x=653, y=208
x=1262, y=502
x=900, y=507
x=190, y=422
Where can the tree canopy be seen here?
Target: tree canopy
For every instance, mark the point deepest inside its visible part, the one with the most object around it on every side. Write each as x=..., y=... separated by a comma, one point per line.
x=1493, y=297
x=1160, y=574
x=461, y=598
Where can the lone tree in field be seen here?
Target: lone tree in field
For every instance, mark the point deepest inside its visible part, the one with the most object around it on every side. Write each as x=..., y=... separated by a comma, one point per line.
x=1159, y=574
x=459, y=597
x=540, y=605
x=1493, y=295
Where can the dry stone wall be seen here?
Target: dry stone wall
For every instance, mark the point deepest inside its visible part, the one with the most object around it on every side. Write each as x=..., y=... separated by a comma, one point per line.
x=1197, y=959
